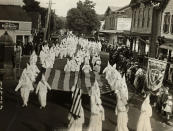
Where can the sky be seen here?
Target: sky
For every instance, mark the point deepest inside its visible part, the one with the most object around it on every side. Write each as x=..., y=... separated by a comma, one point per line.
x=62, y=6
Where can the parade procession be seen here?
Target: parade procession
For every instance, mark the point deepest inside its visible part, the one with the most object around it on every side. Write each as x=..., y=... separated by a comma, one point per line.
x=86, y=65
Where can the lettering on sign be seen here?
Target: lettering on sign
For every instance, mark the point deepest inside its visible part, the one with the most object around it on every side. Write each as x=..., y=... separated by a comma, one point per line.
x=9, y=25
x=124, y=24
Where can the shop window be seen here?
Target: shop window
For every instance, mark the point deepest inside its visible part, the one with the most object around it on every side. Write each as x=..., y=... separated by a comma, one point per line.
x=172, y=25
x=19, y=38
x=26, y=39
x=166, y=23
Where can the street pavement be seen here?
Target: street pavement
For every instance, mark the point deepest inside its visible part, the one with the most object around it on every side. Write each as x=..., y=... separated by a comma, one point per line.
x=14, y=117
x=54, y=117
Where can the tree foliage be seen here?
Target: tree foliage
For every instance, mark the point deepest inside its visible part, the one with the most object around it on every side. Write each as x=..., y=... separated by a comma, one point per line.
x=34, y=6
x=60, y=23
x=31, y=5
x=83, y=19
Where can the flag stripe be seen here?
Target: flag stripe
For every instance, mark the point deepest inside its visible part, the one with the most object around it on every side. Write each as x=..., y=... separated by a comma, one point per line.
x=87, y=80
x=66, y=81
x=61, y=80
x=56, y=79
x=47, y=73
x=83, y=84
x=92, y=77
x=72, y=80
x=77, y=110
x=76, y=101
x=51, y=77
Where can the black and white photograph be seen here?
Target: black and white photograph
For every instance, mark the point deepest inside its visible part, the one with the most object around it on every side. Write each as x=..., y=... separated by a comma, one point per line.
x=86, y=65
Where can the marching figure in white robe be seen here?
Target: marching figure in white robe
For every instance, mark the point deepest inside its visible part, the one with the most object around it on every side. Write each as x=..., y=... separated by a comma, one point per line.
x=97, y=110
x=86, y=68
x=41, y=90
x=144, y=123
x=121, y=112
x=25, y=86
x=27, y=78
x=77, y=124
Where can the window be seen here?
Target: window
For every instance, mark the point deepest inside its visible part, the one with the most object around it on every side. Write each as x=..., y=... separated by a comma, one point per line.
x=148, y=19
x=26, y=39
x=143, y=17
x=134, y=18
x=139, y=17
x=19, y=38
x=166, y=23
x=109, y=22
x=172, y=25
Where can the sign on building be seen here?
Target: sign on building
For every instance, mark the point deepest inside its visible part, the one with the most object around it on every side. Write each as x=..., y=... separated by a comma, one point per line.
x=9, y=25
x=124, y=24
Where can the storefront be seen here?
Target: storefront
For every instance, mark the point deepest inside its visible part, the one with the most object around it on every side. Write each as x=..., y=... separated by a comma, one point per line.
x=19, y=31
x=166, y=54
x=18, y=26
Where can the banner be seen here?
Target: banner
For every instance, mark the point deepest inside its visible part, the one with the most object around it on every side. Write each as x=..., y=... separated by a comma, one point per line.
x=155, y=73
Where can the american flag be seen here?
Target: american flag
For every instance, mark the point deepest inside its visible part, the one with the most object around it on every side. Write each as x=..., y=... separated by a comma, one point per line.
x=76, y=101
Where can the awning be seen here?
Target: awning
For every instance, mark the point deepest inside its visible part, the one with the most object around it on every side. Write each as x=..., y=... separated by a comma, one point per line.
x=111, y=31
x=168, y=46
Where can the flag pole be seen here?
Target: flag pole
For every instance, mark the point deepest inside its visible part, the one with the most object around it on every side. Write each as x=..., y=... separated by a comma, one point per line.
x=47, y=20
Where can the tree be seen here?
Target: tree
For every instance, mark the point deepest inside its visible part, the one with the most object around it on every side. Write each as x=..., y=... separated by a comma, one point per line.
x=34, y=6
x=83, y=19
x=60, y=23
x=31, y=5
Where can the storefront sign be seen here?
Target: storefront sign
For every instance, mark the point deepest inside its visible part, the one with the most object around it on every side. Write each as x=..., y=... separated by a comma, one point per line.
x=124, y=24
x=155, y=73
x=9, y=26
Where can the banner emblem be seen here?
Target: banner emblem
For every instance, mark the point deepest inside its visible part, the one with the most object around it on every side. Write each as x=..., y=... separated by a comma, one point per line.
x=155, y=73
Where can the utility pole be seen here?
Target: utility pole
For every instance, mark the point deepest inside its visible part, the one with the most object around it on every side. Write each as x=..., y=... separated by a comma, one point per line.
x=48, y=19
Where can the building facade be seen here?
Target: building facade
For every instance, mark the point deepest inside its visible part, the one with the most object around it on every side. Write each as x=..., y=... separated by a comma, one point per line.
x=145, y=28
x=117, y=20
x=16, y=22
x=166, y=41
x=167, y=21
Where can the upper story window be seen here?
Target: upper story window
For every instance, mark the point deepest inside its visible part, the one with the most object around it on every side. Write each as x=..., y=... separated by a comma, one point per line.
x=172, y=25
x=148, y=18
x=109, y=21
x=139, y=17
x=143, y=17
x=134, y=18
x=166, y=23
